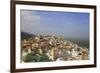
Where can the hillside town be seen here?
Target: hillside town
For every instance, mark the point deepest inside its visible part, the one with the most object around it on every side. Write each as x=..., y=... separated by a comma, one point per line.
x=45, y=48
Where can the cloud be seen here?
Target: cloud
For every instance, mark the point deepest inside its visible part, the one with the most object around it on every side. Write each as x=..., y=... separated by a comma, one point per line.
x=28, y=20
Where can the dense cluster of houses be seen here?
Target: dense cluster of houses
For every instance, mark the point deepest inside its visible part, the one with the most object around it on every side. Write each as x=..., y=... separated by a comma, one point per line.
x=55, y=48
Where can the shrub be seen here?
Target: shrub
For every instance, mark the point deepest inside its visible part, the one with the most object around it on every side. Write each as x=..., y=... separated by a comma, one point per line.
x=36, y=58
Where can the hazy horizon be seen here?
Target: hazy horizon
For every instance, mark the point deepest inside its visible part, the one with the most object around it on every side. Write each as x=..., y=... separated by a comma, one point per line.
x=66, y=24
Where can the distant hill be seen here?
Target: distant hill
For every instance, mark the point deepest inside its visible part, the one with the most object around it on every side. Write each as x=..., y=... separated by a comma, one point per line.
x=25, y=35
x=80, y=42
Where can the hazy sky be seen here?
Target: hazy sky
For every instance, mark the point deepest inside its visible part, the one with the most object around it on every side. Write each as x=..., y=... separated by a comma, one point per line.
x=67, y=24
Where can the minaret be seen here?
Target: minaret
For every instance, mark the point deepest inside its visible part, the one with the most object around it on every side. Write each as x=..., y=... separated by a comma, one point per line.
x=52, y=54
